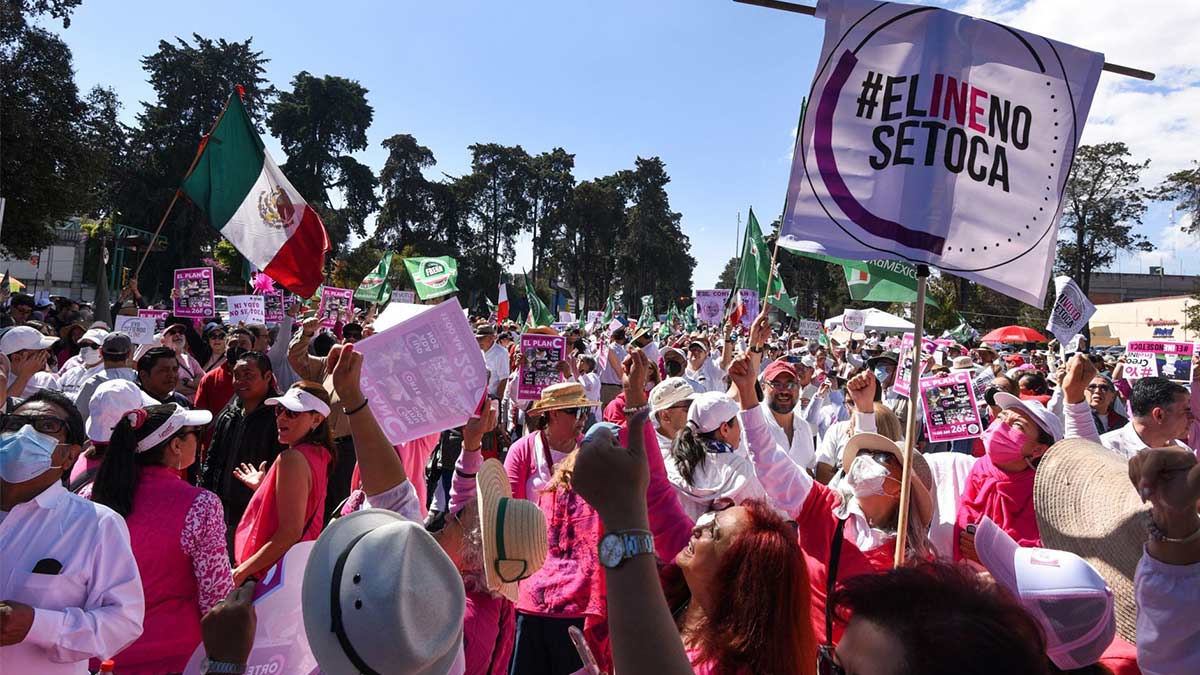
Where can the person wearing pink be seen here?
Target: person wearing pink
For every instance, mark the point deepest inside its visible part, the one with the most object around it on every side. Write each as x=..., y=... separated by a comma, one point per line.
x=289, y=498
x=177, y=531
x=1000, y=485
x=569, y=588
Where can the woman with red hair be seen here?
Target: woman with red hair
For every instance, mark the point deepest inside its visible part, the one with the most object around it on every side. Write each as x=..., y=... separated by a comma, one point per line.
x=718, y=588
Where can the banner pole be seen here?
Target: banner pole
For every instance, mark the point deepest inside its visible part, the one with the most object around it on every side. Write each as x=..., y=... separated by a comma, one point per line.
x=910, y=432
x=812, y=11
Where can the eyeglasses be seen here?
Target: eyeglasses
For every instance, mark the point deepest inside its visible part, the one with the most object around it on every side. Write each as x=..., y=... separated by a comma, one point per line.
x=217, y=336
x=826, y=665
x=40, y=423
x=1100, y=387
x=787, y=385
x=577, y=413
x=284, y=412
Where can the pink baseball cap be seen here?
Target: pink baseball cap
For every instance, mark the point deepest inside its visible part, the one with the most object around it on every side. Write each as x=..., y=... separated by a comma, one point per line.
x=1062, y=591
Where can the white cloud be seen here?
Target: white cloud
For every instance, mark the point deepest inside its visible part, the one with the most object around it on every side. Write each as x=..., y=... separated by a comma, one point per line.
x=1174, y=248
x=1156, y=119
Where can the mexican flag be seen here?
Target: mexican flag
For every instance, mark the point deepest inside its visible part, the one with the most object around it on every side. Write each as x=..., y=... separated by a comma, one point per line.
x=246, y=198
x=375, y=287
x=433, y=277
x=877, y=280
x=502, y=303
x=647, y=318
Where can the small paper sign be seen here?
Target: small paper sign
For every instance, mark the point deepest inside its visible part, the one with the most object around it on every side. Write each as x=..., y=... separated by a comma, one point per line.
x=951, y=412
x=423, y=375
x=334, y=302
x=595, y=317
x=809, y=330
x=159, y=316
x=853, y=320
x=710, y=305
x=566, y=317
x=1071, y=310
x=194, y=297
x=1151, y=358
x=273, y=306
x=140, y=329
x=404, y=296
x=542, y=354
x=247, y=309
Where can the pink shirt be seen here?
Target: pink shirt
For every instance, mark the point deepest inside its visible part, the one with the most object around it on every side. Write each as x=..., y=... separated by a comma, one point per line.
x=261, y=519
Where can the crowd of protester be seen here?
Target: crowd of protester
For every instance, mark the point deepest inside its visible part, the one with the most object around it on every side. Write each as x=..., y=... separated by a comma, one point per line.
x=712, y=500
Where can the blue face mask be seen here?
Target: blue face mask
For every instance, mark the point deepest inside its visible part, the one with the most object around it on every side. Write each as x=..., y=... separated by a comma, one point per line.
x=25, y=454
x=881, y=374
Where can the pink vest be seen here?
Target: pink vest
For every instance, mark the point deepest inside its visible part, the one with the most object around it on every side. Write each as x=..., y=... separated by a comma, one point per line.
x=261, y=519
x=171, y=628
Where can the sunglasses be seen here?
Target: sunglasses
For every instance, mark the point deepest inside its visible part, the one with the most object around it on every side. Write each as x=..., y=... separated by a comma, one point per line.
x=577, y=413
x=217, y=336
x=1099, y=387
x=40, y=423
x=281, y=411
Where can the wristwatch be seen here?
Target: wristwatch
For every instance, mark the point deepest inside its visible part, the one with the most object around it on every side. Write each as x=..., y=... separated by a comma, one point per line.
x=617, y=547
x=210, y=667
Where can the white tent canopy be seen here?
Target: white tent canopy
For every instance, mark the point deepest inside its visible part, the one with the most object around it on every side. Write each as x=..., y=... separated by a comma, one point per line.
x=876, y=319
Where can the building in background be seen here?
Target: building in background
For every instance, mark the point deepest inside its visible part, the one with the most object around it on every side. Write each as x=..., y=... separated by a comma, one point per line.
x=56, y=269
x=1110, y=287
x=1148, y=319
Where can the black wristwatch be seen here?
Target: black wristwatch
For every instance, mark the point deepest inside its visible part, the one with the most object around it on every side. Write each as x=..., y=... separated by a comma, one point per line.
x=757, y=350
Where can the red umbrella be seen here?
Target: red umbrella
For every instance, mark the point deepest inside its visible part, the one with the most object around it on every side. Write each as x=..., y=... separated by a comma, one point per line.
x=1014, y=334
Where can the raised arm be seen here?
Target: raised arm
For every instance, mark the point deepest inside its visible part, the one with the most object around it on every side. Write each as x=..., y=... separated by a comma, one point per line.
x=379, y=466
x=1077, y=414
x=306, y=365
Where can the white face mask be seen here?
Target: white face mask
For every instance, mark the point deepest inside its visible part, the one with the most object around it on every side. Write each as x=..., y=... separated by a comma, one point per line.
x=90, y=355
x=866, y=477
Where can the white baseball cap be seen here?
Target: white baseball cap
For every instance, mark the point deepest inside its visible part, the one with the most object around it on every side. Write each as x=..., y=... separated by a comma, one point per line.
x=1045, y=419
x=710, y=410
x=110, y=401
x=298, y=400
x=180, y=417
x=95, y=336
x=20, y=338
x=1062, y=591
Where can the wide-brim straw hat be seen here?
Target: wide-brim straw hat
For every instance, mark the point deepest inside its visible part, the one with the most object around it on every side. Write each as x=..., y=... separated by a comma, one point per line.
x=560, y=396
x=879, y=443
x=513, y=531
x=1085, y=504
x=400, y=599
x=542, y=330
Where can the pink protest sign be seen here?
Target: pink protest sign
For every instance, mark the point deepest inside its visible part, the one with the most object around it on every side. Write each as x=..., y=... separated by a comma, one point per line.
x=194, y=293
x=159, y=316
x=334, y=302
x=542, y=354
x=425, y=374
x=1150, y=358
x=273, y=307
x=951, y=411
x=904, y=369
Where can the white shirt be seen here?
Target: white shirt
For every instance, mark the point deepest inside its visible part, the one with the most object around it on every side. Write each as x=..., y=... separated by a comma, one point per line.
x=1078, y=422
x=710, y=377
x=37, y=382
x=608, y=375
x=71, y=381
x=1126, y=442
x=92, y=607
x=591, y=390
x=800, y=448
x=497, y=362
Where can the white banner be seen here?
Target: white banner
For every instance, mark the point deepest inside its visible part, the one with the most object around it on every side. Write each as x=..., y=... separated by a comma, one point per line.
x=140, y=329
x=710, y=305
x=937, y=138
x=1071, y=310
x=247, y=309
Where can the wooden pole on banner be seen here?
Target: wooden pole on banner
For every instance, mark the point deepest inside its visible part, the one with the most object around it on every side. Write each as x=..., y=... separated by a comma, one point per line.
x=179, y=191
x=910, y=430
x=812, y=11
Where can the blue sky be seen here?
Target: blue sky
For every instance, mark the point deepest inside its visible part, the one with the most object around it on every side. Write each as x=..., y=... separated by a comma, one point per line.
x=711, y=86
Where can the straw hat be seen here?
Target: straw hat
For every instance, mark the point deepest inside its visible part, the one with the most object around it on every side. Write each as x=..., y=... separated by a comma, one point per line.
x=513, y=531
x=399, y=600
x=562, y=395
x=542, y=330
x=1086, y=505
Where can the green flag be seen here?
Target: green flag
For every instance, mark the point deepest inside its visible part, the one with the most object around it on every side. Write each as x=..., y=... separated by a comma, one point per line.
x=689, y=317
x=647, y=318
x=610, y=306
x=375, y=287
x=539, y=314
x=755, y=269
x=877, y=280
x=433, y=277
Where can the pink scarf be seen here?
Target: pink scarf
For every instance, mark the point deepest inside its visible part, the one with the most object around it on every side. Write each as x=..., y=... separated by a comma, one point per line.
x=1006, y=498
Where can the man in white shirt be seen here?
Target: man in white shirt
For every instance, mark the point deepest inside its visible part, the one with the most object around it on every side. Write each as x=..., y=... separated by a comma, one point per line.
x=90, y=362
x=703, y=370
x=495, y=358
x=69, y=584
x=26, y=348
x=669, y=404
x=115, y=350
x=611, y=369
x=790, y=431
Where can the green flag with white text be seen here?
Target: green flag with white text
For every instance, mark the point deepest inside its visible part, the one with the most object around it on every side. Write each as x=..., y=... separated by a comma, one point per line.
x=877, y=280
x=375, y=287
x=433, y=277
x=647, y=318
x=539, y=314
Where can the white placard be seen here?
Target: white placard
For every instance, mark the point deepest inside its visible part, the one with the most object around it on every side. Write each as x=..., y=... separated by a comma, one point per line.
x=247, y=309
x=854, y=320
x=140, y=329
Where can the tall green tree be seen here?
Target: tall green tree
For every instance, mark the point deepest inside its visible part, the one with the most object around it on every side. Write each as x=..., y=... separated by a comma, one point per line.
x=407, y=209
x=654, y=255
x=1104, y=201
x=729, y=274
x=319, y=123
x=551, y=184
x=584, y=252
x=192, y=81
x=498, y=194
